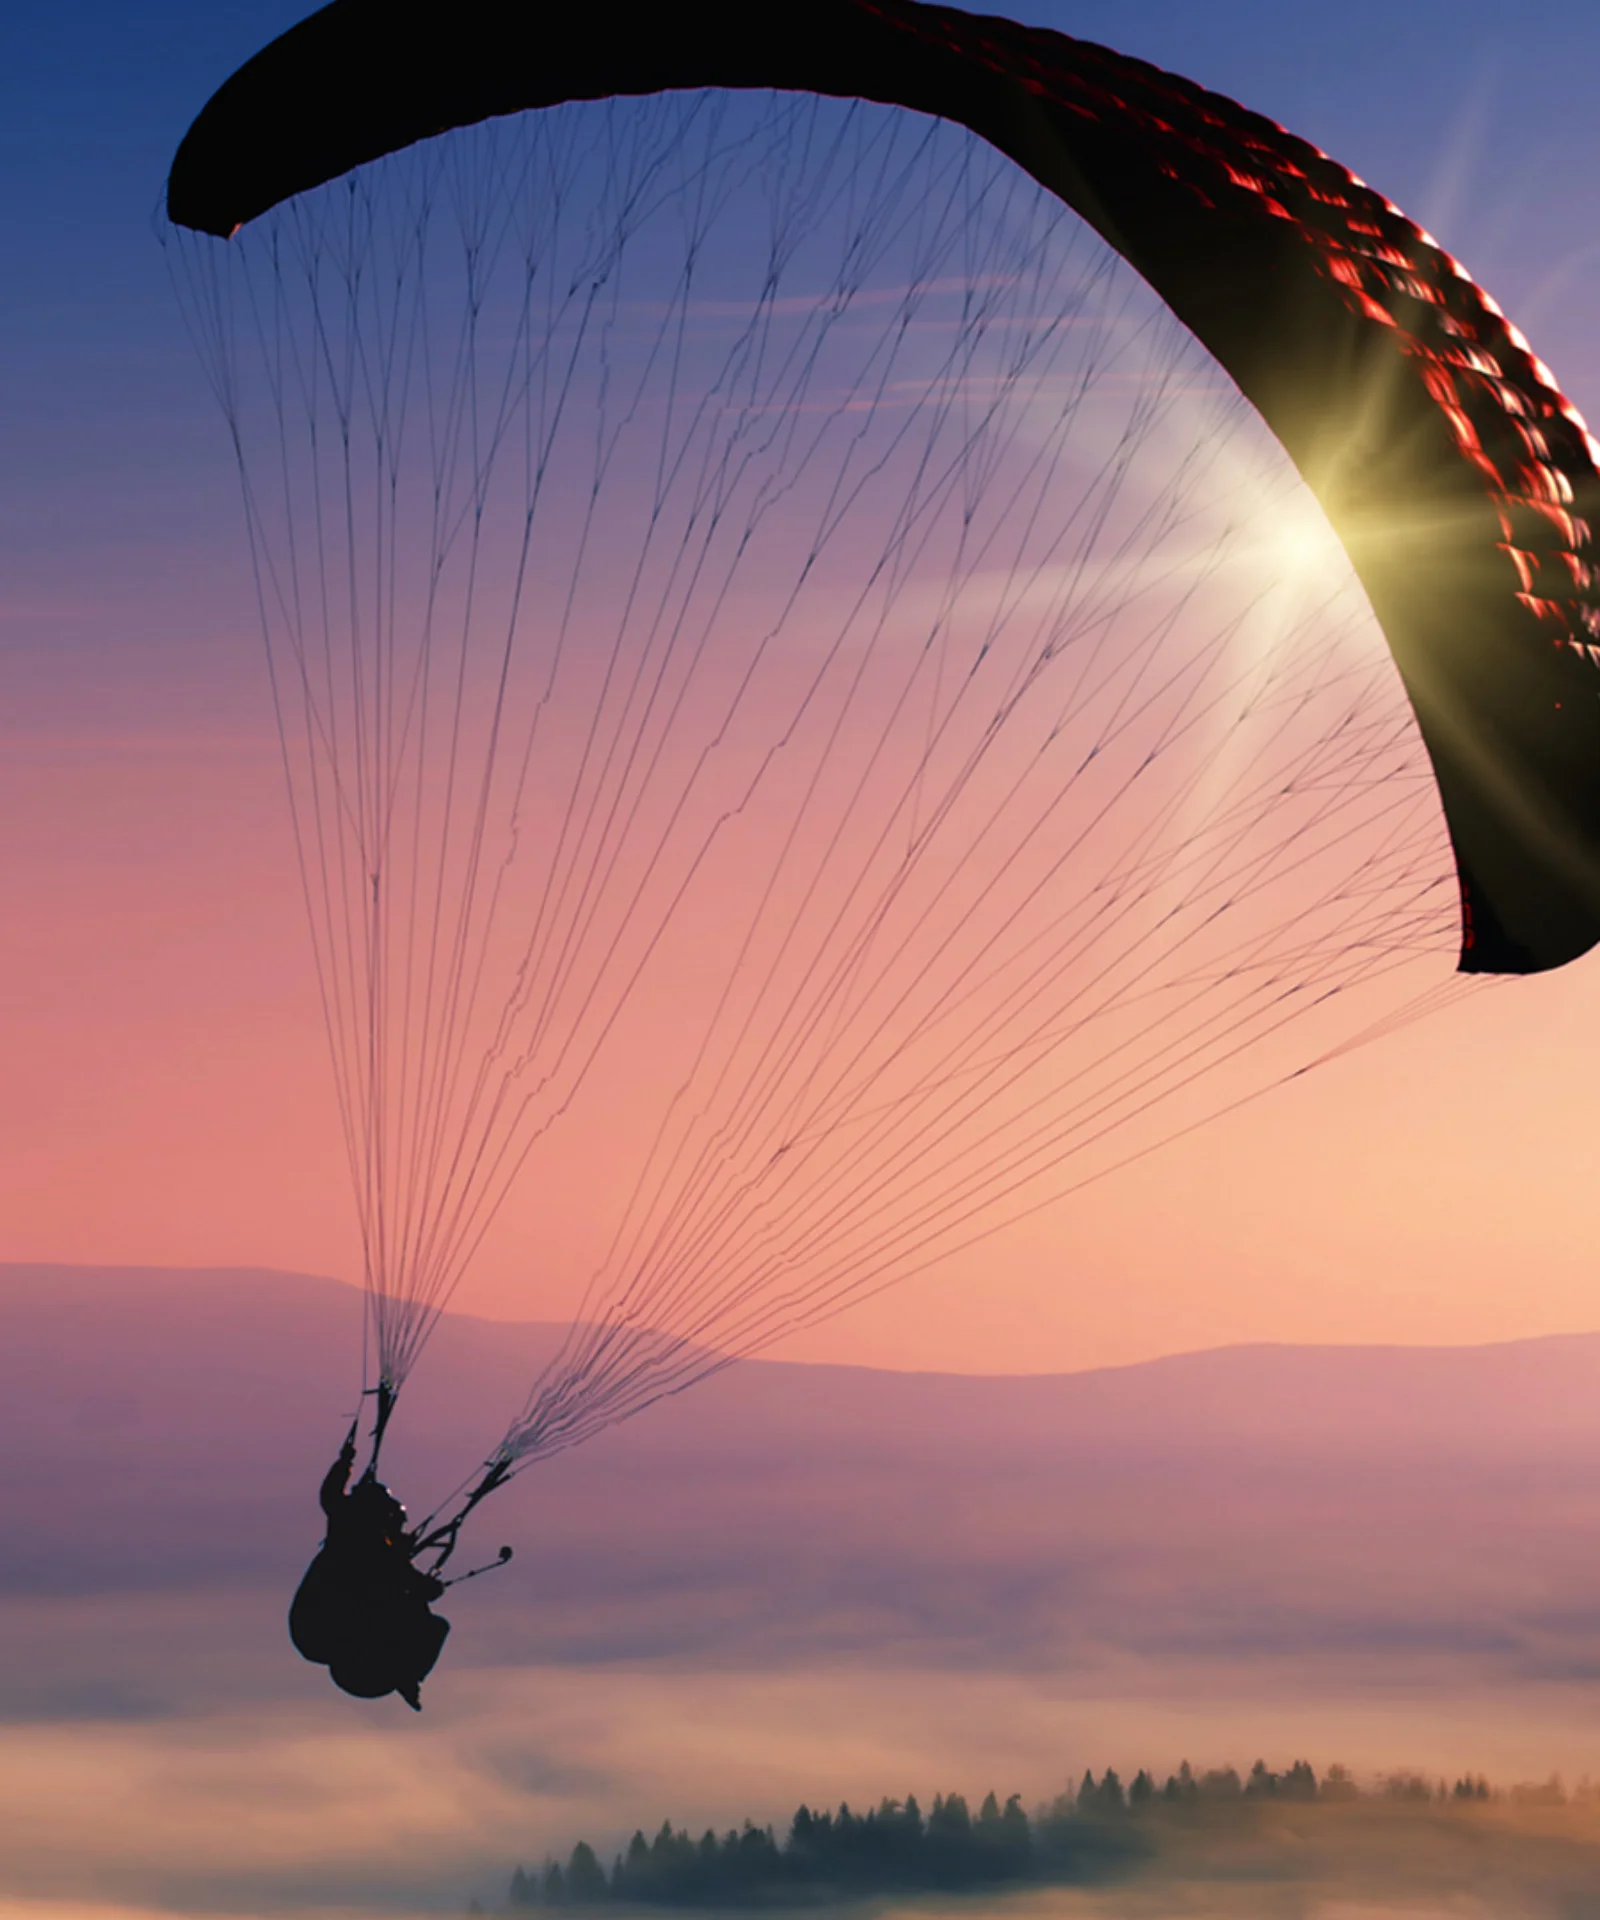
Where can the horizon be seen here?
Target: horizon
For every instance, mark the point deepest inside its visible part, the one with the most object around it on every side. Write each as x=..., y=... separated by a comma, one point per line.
x=767, y=1357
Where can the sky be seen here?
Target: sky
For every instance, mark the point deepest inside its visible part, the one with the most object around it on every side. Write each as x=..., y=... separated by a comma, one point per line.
x=166, y=1102
x=167, y=1099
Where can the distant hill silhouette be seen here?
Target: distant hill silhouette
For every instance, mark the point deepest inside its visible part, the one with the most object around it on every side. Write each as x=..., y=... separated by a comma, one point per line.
x=161, y=1429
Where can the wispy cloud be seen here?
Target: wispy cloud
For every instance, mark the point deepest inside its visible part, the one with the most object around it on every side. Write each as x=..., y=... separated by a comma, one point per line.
x=243, y=1782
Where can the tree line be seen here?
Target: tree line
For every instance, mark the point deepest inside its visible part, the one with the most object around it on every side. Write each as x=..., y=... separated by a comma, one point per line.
x=1100, y=1830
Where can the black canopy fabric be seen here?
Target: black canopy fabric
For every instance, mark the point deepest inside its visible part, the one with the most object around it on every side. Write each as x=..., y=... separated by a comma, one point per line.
x=1459, y=479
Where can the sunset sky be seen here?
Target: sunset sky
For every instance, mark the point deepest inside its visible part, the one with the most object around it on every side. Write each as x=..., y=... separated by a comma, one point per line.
x=799, y=1581
x=166, y=1096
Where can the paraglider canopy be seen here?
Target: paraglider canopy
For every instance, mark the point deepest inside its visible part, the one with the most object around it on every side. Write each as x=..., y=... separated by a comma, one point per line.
x=810, y=726
x=1460, y=479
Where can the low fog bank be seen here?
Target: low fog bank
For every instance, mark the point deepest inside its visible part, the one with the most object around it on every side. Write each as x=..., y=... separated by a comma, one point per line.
x=300, y=1800
x=1366, y=1862
x=1359, y=1863
x=1361, y=1510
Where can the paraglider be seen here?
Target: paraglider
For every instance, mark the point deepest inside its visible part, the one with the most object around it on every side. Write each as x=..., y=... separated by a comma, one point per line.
x=767, y=774
x=364, y=1609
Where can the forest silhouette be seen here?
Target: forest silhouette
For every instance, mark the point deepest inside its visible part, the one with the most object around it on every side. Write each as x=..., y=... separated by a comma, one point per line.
x=1102, y=1831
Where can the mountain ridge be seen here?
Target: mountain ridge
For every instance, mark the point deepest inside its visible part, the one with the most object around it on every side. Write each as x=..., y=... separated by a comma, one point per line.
x=106, y=1349
x=203, y=1281
x=162, y=1432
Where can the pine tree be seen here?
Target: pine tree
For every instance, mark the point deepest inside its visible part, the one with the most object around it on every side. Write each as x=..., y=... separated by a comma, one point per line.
x=586, y=1880
x=1016, y=1837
